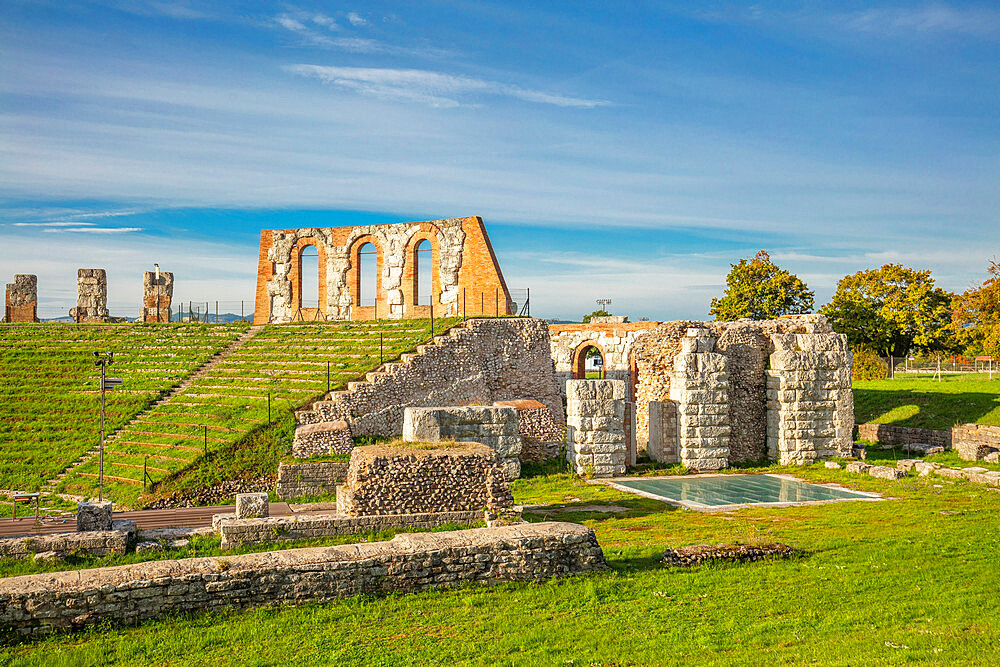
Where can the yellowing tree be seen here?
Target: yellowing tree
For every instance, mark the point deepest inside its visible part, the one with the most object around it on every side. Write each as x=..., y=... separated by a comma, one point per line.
x=976, y=316
x=758, y=289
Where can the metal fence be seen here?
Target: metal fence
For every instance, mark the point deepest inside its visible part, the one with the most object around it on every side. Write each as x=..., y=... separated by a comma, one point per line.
x=214, y=311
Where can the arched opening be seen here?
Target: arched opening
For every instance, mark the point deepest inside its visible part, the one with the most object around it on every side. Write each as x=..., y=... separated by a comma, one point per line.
x=309, y=277
x=367, y=275
x=588, y=362
x=423, y=287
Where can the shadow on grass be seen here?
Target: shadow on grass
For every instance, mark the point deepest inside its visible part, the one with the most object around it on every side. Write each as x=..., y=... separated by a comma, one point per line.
x=934, y=410
x=598, y=510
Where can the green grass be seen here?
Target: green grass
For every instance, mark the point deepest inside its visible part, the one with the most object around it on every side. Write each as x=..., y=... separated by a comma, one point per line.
x=923, y=402
x=886, y=582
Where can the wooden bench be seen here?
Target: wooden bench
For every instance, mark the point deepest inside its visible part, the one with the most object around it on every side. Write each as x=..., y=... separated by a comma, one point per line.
x=25, y=498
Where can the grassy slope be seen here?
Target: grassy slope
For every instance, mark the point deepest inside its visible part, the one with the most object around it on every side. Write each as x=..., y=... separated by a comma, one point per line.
x=926, y=403
x=49, y=403
x=920, y=586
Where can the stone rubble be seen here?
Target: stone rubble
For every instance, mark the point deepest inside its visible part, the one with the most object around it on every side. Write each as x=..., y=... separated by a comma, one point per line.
x=321, y=438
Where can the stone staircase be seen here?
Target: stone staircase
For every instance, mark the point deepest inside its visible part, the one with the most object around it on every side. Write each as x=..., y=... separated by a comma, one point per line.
x=51, y=485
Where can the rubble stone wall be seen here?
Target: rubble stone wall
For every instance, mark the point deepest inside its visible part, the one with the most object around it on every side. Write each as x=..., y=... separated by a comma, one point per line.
x=495, y=427
x=542, y=436
x=37, y=604
x=975, y=442
x=21, y=299
x=420, y=478
x=91, y=296
x=309, y=479
x=903, y=435
x=595, y=427
x=476, y=363
x=157, y=295
x=466, y=276
x=320, y=438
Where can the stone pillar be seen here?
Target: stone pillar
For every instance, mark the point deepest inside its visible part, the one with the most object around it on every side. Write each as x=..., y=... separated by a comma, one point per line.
x=93, y=515
x=807, y=393
x=156, y=296
x=662, y=445
x=595, y=427
x=22, y=299
x=493, y=426
x=91, y=296
x=699, y=385
x=251, y=505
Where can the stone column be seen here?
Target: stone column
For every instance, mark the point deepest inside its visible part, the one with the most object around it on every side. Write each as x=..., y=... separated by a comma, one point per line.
x=22, y=299
x=93, y=515
x=595, y=421
x=662, y=445
x=91, y=296
x=251, y=505
x=699, y=385
x=157, y=294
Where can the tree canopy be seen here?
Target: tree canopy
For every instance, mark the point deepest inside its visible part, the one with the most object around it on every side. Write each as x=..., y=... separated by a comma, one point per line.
x=596, y=313
x=892, y=309
x=760, y=290
x=976, y=316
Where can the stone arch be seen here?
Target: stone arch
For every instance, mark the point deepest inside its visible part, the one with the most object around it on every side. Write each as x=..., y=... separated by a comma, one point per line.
x=580, y=358
x=412, y=305
x=379, y=309
x=299, y=279
x=285, y=287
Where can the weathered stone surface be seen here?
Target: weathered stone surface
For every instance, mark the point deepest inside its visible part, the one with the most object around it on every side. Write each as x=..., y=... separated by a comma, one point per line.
x=251, y=505
x=833, y=465
x=38, y=604
x=91, y=296
x=317, y=439
x=857, y=466
x=595, y=427
x=542, y=435
x=919, y=440
x=975, y=441
x=494, y=426
x=93, y=515
x=115, y=540
x=157, y=295
x=732, y=553
x=309, y=479
x=885, y=472
x=398, y=479
x=21, y=303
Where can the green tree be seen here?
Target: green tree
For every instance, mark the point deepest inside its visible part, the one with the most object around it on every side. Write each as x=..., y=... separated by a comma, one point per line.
x=892, y=310
x=760, y=290
x=976, y=316
x=596, y=313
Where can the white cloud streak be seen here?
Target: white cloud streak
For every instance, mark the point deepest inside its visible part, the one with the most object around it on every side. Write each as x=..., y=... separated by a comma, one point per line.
x=95, y=230
x=435, y=89
x=356, y=19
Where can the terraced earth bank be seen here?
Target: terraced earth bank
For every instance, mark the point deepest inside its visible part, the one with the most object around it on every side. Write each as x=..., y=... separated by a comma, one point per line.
x=281, y=366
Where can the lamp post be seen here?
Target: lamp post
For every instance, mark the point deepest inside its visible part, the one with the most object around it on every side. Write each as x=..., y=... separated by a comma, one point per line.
x=107, y=384
x=157, y=267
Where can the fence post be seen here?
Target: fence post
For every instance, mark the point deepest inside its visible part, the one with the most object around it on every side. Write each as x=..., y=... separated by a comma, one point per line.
x=241, y=311
x=144, y=475
x=216, y=312
x=381, y=355
x=432, y=318
x=269, y=407
x=463, y=304
x=527, y=302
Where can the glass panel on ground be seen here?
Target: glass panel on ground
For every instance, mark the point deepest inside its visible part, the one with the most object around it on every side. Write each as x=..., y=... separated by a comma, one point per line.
x=720, y=490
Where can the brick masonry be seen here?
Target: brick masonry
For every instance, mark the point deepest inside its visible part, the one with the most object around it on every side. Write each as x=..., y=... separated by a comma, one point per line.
x=466, y=277
x=38, y=604
x=614, y=340
x=157, y=295
x=903, y=435
x=309, y=479
x=493, y=426
x=595, y=427
x=21, y=299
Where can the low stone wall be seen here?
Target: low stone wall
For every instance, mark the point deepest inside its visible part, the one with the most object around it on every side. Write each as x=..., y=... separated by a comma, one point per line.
x=38, y=604
x=542, y=436
x=242, y=532
x=903, y=435
x=495, y=427
x=975, y=442
x=90, y=543
x=387, y=479
x=595, y=427
x=309, y=479
x=321, y=438
x=729, y=553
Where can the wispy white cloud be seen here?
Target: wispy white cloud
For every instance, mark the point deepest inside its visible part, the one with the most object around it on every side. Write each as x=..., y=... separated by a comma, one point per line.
x=75, y=223
x=303, y=25
x=933, y=18
x=95, y=230
x=356, y=19
x=174, y=10
x=435, y=89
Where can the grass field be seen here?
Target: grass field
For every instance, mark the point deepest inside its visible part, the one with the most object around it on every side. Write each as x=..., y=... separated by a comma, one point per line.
x=923, y=402
x=890, y=582
x=49, y=389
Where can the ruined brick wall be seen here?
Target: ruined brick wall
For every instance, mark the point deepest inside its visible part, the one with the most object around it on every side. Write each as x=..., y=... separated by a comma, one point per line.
x=38, y=604
x=542, y=435
x=495, y=427
x=466, y=276
x=476, y=363
x=405, y=479
x=21, y=304
x=614, y=340
x=157, y=295
x=91, y=296
x=746, y=346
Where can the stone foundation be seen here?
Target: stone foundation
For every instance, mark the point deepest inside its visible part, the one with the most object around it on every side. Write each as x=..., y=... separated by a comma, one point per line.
x=495, y=427
x=595, y=427
x=93, y=515
x=699, y=388
x=21, y=303
x=41, y=603
x=116, y=540
x=322, y=438
x=309, y=479
x=903, y=435
x=387, y=479
x=974, y=442
x=542, y=436
x=157, y=295
x=91, y=296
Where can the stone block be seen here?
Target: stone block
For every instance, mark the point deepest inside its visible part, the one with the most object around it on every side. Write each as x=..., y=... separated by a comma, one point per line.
x=93, y=515
x=857, y=466
x=251, y=505
x=885, y=472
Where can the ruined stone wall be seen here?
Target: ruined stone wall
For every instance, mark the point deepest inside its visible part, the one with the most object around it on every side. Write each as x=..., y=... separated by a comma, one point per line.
x=466, y=277
x=495, y=427
x=974, y=442
x=903, y=435
x=38, y=604
x=321, y=438
x=614, y=340
x=595, y=427
x=542, y=436
x=477, y=363
x=699, y=387
x=91, y=543
x=157, y=295
x=21, y=304
x=309, y=479
x=91, y=296
x=405, y=479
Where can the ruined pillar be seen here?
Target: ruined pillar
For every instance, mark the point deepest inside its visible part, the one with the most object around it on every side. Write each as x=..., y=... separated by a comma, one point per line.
x=91, y=296
x=700, y=387
x=157, y=294
x=22, y=299
x=595, y=421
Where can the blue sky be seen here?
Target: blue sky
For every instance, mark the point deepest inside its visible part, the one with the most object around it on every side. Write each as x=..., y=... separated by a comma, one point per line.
x=622, y=150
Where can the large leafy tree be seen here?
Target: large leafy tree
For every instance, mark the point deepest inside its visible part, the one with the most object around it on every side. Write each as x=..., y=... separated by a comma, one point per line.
x=976, y=316
x=758, y=289
x=892, y=310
